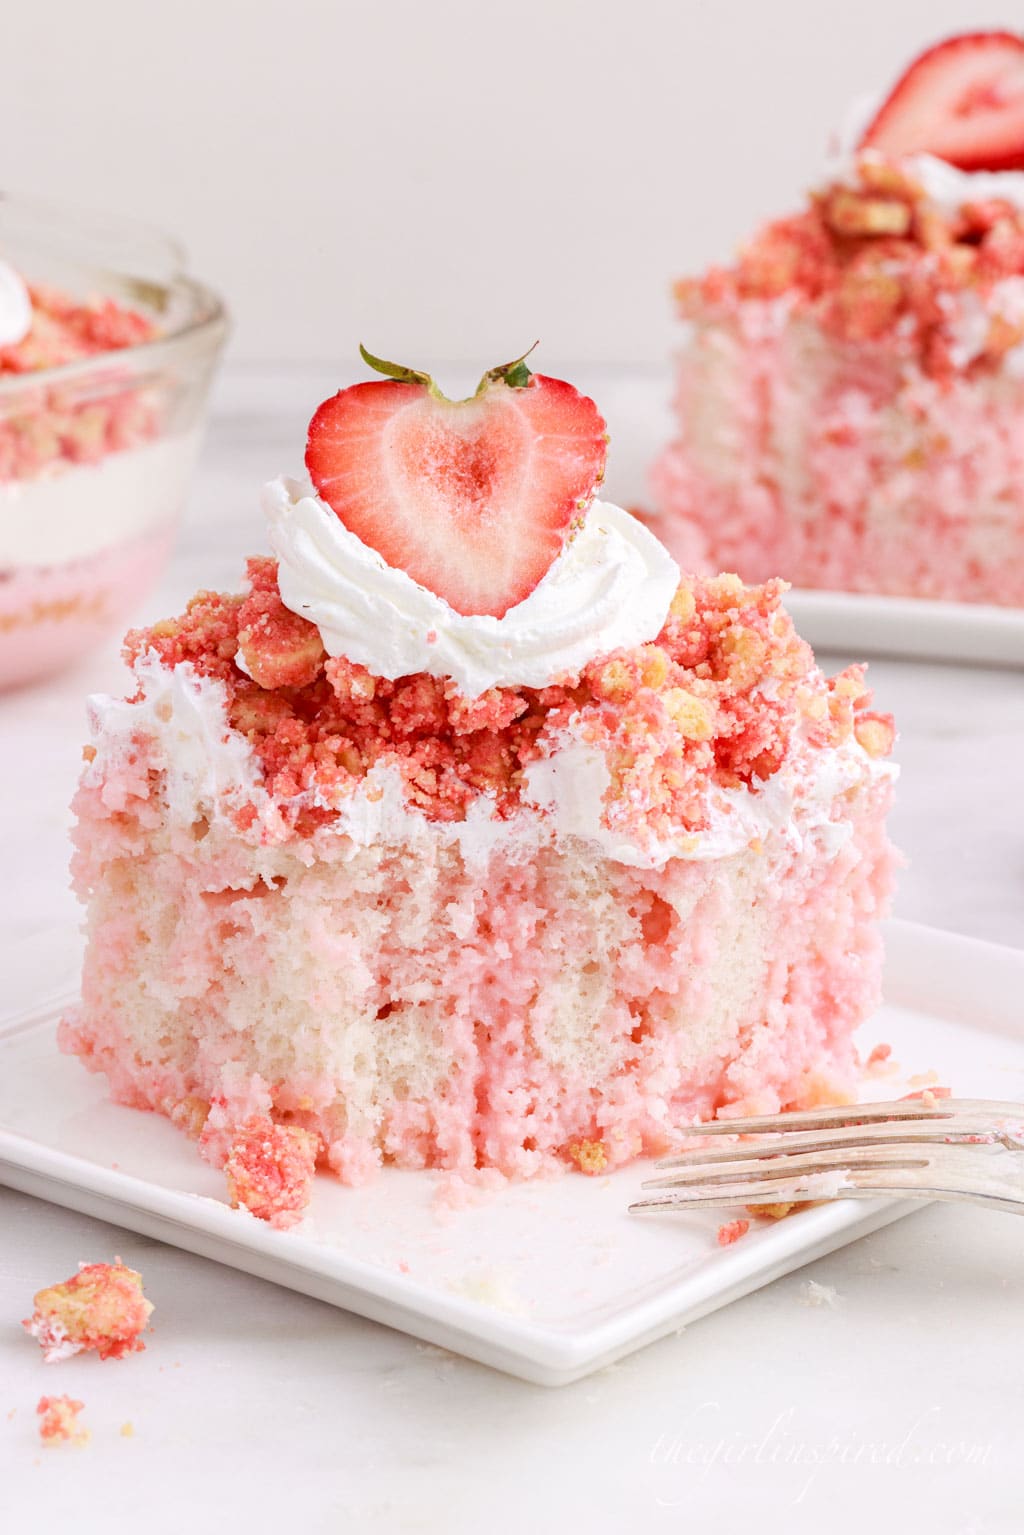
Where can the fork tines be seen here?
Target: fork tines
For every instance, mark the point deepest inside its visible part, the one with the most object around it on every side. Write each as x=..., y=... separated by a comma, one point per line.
x=849, y=1151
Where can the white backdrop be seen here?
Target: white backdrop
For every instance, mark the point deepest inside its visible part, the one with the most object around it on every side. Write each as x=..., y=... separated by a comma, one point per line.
x=445, y=179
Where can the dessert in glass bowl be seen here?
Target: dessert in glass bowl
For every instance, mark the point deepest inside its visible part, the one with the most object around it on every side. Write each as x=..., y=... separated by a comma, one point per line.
x=850, y=394
x=106, y=354
x=471, y=833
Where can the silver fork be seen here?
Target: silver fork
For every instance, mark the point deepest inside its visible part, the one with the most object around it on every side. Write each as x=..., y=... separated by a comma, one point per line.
x=922, y=1148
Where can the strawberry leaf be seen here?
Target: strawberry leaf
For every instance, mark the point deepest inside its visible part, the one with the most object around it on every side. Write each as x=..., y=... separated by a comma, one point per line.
x=396, y=370
x=515, y=374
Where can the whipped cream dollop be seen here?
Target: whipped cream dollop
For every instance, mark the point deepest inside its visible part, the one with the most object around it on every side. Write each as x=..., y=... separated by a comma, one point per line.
x=945, y=186
x=948, y=188
x=15, y=307
x=610, y=587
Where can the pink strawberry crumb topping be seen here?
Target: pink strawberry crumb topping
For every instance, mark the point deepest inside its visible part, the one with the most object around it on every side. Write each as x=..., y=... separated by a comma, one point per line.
x=877, y=261
x=731, y=1232
x=101, y=1308
x=270, y=1169
x=59, y=424
x=689, y=711
x=65, y=329
x=58, y=1421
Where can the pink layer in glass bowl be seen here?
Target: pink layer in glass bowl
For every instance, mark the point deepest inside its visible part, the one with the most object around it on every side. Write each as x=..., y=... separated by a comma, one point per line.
x=101, y=410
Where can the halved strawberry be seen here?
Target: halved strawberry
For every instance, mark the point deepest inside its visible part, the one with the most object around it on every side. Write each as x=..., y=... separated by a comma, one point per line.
x=473, y=498
x=962, y=100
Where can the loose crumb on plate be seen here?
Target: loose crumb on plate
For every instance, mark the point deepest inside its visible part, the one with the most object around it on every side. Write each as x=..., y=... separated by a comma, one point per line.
x=490, y=1287
x=775, y=1212
x=929, y=1096
x=814, y=1294
x=454, y=1192
x=102, y=1308
x=880, y=1062
x=58, y=1421
x=731, y=1232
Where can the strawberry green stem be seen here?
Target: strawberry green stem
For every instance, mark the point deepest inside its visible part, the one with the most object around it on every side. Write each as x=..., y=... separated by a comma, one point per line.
x=515, y=374
x=397, y=370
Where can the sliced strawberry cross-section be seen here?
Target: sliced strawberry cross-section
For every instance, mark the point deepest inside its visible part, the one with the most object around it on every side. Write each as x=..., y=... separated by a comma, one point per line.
x=473, y=498
x=962, y=100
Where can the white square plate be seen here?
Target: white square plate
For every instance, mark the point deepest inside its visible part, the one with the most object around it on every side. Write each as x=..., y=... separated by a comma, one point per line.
x=547, y=1280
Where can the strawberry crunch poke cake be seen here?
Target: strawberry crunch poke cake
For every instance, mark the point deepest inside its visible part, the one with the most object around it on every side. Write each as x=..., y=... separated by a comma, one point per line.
x=470, y=834
x=850, y=398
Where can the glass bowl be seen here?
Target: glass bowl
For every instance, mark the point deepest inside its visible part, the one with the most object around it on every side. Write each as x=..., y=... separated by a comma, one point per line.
x=96, y=454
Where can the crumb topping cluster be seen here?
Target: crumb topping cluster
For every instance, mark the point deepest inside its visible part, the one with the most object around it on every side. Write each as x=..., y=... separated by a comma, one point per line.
x=63, y=423
x=714, y=700
x=101, y=1308
x=58, y=1421
x=878, y=260
x=270, y=1169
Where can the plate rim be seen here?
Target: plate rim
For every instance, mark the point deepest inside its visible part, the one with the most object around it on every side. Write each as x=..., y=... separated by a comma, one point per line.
x=976, y=633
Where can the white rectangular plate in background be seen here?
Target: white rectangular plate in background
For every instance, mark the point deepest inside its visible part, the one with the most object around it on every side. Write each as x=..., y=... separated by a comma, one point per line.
x=909, y=626
x=546, y=1280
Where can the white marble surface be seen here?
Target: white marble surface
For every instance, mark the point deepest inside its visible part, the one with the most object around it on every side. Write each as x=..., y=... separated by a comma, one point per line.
x=904, y=1396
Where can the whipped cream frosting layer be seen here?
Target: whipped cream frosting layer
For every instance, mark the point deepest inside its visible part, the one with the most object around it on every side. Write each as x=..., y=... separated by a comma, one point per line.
x=15, y=307
x=610, y=587
x=210, y=770
x=795, y=803
x=949, y=188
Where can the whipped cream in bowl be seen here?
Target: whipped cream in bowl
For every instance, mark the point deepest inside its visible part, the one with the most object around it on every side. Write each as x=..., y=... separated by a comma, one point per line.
x=15, y=307
x=610, y=587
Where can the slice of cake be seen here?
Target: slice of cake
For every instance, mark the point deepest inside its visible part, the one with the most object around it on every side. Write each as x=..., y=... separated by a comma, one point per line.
x=470, y=835
x=850, y=394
